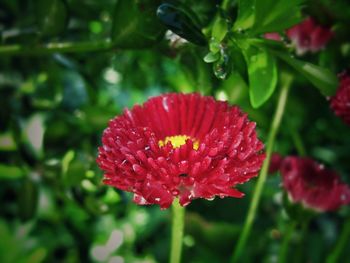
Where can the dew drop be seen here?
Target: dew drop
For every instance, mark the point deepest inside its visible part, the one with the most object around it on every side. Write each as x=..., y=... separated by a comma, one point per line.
x=157, y=199
x=210, y=198
x=165, y=104
x=147, y=148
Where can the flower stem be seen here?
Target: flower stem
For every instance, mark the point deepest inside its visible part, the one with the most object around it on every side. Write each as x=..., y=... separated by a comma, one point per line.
x=298, y=254
x=298, y=143
x=225, y=4
x=284, y=248
x=341, y=243
x=286, y=80
x=177, y=231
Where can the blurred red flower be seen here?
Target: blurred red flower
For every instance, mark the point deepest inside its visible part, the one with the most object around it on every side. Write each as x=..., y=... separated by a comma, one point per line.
x=340, y=102
x=311, y=184
x=180, y=145
x=275, y=163
x=309, y=36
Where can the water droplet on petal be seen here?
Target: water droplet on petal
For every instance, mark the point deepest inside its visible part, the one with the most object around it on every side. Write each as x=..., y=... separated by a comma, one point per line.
x=210, y=198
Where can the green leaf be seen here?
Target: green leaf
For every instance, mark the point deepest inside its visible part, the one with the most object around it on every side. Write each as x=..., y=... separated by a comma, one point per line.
x=322, y=78
x=74, y=167
x=219, y=29
x=10, y=172
x=51, y=16
x=211, y=57
x=7, y=142
x=245, y=18
x=276, y=15
x=214, y=45
x=262, y=73
x=135, y=24
x=66, y=160
x=267, y=15
x=28, y=199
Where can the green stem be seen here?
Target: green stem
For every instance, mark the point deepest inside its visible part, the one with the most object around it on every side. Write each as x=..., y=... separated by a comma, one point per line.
x=287, y=79
x=298, y=142
x=177, y=231
x=298, y=256
x=284, y=248
x=224, y=4
x=341, y=243
x=54, y=47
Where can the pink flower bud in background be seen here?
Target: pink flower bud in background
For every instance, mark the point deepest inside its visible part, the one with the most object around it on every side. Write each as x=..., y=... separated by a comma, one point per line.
x=340, y=102
x=314, y=186
x=308, y=36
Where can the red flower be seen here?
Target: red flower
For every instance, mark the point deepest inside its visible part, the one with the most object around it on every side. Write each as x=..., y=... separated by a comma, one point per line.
x=316, y=187
x=275, y=163
x=308, y=36
x=180, y=145
x=340, y=102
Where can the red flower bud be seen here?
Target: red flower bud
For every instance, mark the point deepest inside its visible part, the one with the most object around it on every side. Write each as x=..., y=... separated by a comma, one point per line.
x=308, y=36
x=340, y=102
x=311, y=184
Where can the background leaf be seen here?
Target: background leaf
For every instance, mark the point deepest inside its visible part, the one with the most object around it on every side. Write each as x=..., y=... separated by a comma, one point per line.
x=274, y=16
x=246, y=15
x=322, y=78
x=135, y=24
x=10, y=172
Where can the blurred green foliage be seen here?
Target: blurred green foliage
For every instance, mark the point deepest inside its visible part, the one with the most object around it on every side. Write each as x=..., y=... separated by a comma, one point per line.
x=54, y=107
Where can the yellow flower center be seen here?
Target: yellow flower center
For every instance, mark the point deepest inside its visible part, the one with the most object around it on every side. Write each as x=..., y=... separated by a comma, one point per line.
x=178, y=140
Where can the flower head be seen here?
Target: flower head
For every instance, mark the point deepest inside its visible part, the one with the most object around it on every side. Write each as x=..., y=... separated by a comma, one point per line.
x=309, y=36
x=340, y=102
x=275, y=162
x=311, y=184
x=180, y=145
